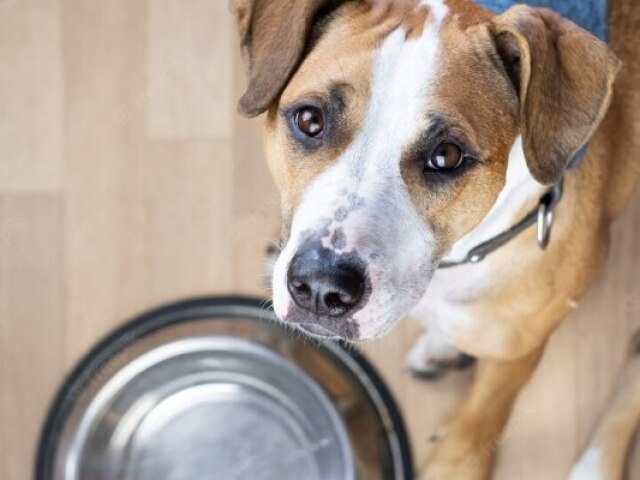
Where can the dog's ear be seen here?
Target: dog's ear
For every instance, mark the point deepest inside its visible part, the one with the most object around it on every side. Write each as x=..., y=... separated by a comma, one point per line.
x=564, y=77
x=273, y=37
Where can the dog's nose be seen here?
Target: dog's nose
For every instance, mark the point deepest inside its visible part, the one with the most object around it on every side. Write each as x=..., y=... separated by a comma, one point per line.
x=324, y=283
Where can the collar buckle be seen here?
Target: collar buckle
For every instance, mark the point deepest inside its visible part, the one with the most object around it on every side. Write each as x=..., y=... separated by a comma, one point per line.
x=546, y=215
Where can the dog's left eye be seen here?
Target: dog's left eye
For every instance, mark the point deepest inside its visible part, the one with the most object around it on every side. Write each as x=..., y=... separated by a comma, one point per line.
x=310, y=121
x=446, y=156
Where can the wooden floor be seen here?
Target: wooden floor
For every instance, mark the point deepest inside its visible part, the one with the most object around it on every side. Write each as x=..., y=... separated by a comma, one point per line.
x=126, y=181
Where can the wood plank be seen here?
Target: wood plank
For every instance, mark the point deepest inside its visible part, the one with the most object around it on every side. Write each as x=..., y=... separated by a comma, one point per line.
x=31, y=96
x=542, y=435
x=32, y=326
x=634, y=461
x=255, y=203
x=190, y=69
x=430, y=404
x=105, y=150
x=190, y=244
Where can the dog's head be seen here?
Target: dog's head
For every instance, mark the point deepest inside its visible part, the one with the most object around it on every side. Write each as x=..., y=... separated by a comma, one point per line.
x=388, y=129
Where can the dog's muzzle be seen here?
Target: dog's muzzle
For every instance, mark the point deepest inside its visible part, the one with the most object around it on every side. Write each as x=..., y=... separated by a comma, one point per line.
x=326, y=287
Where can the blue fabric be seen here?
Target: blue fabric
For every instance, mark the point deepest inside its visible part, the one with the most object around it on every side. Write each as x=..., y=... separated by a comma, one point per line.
x=592, y=15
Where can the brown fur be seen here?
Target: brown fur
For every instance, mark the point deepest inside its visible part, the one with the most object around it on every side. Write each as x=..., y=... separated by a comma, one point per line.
x=272, y=51
x=458, y=209
x=329, y=65
x=563, y=94
x=594, y=194
x=517, y=314
x=467, y=14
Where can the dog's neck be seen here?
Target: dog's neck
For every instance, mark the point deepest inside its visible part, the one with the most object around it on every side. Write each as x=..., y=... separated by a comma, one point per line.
x=519, y=194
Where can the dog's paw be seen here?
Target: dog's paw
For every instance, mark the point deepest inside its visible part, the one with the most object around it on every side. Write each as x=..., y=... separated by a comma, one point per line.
x=433, y=355
x=451, y=459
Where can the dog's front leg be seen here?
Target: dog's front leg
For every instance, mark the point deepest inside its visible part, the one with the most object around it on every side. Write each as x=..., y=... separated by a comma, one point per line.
x=467, y=451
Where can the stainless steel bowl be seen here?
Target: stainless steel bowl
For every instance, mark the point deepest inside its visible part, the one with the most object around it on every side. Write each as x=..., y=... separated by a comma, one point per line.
x=215, y=389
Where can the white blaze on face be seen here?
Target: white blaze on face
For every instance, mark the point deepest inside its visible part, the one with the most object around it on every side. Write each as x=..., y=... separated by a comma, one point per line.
x=361, y=204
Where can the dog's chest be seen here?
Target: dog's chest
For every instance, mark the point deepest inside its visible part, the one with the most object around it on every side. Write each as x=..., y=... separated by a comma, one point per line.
x=451, y=294
x=454, y=292
x=468, y=306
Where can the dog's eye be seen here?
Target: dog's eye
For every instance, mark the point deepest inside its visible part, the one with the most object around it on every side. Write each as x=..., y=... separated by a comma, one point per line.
x=310, y=121
x=446, y=156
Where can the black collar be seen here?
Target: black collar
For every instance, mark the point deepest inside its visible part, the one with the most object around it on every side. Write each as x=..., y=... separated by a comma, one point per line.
x=542, y=215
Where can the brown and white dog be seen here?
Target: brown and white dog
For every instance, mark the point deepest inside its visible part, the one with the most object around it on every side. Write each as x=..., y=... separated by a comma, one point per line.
x=401, y=133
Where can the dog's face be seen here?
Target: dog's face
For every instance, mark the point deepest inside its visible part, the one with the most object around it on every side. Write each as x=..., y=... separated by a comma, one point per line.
x=388, y=134
x=383, y=159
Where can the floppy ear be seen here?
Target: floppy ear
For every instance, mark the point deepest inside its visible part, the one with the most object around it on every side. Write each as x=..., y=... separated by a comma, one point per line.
x=273, y=36
x=564, y=77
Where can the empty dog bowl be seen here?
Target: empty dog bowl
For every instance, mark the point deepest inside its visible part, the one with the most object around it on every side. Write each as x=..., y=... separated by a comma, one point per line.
x=216, y=389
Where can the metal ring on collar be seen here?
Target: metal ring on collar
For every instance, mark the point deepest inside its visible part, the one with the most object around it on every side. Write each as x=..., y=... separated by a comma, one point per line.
x=545, y=224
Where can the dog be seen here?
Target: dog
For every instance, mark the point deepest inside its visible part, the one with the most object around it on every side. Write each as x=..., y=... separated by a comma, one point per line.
x=406, y=136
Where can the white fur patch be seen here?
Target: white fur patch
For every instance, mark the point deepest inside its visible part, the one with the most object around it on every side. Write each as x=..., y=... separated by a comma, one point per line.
x=382, y=224
x=589, y=467
x=432, y=347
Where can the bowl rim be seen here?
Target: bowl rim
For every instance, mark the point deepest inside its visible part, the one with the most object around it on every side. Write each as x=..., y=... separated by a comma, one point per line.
x=209, y=307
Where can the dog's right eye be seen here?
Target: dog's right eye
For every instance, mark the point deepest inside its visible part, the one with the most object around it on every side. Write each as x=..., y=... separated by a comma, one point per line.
x=447, y=156
x=310, y=121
